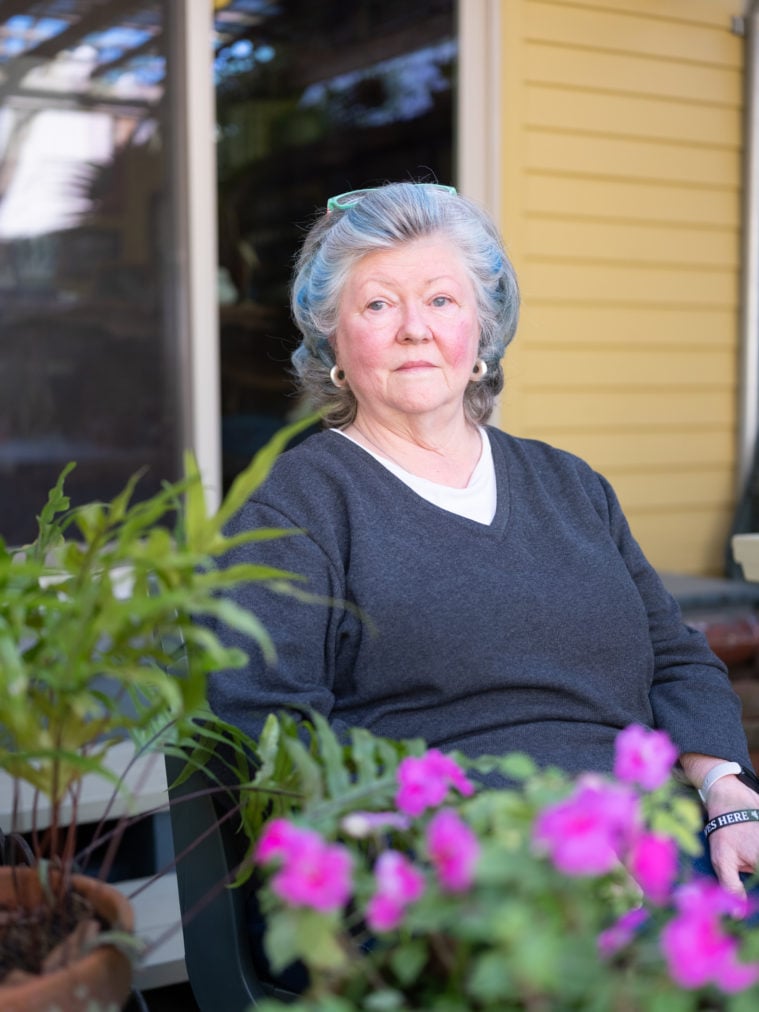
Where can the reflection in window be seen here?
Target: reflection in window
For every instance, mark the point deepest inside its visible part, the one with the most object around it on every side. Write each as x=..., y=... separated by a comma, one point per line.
x=312, y=99
x=86, y=370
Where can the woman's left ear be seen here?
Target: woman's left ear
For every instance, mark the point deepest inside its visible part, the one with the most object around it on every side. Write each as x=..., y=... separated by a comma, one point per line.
x=337, y=375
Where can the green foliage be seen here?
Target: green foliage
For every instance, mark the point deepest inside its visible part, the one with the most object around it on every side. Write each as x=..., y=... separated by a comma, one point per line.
x=523, y=936
x=95, y=611
x=304, y=770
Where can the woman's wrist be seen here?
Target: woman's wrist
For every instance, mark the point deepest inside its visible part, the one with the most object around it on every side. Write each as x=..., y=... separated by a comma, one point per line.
x=697, y=767
x=719, y=780
x=717, y=772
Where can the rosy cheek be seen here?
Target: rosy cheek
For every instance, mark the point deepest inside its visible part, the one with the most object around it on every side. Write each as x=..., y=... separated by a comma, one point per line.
x=462, y=347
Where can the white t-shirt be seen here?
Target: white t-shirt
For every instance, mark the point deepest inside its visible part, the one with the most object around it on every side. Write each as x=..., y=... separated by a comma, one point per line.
x=476, y=502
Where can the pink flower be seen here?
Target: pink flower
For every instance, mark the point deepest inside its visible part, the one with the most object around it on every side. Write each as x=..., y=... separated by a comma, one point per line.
x=281, y=839
x=622, y=932
x=398, y=884
x=320, y=876
x=453, y=849
x=424, y=781
x=699, y=952
x=653, y=863
x=644, y=757
x=588, y=832
x=314, y=873
x=706, y=895
x=696, y=948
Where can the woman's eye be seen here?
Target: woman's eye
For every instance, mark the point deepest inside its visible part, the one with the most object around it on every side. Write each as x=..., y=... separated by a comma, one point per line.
x=375, y=305
x=440, y=300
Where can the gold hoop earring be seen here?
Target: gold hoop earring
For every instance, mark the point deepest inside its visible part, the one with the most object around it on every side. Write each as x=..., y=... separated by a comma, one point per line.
x=480, y=370
x=337, y=376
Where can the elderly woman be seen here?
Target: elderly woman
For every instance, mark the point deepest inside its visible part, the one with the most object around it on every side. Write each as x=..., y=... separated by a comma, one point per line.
x=499, y=600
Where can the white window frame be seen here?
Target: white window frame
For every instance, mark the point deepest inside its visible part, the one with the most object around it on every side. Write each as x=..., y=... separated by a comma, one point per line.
x=478, y=138
x=194, y=130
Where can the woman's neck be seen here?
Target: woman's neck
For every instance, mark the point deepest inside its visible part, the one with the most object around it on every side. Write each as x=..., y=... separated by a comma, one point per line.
x=446, y=455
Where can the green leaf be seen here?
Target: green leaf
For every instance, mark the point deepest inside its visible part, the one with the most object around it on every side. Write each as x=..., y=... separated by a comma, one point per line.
x=490, y=977
x=518, y=766
x=256, y=472
x=281, y=940
x=236, y=617
x=408, y=960
x=337, y=775
x=363, y=750
x=195, y=510
x=302, y=933
x=316, y=937
x=311, y=782
x=49, y=531
x=679, y=1001
x=384, y=1000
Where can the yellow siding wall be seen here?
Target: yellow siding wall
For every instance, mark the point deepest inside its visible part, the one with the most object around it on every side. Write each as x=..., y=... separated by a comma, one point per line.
x=621, y=134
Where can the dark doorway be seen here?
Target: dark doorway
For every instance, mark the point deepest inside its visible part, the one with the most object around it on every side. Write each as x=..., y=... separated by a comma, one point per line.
x=312, y=99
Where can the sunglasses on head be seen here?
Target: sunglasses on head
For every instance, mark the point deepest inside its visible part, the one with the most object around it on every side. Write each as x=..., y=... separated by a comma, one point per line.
x=343, y=201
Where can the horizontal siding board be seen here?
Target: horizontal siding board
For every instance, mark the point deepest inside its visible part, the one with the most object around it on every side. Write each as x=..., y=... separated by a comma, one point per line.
x=622, y=158
x=596, y=111
x=709, y=488
x=691, y=542
x=607, y=325
x=636, y=368
x=619, y=283
x=716, y=13
x=547, y=411
x=608, y=451
x=621, y=31
x=623, y=201
x=631, y=243
x=638, y=74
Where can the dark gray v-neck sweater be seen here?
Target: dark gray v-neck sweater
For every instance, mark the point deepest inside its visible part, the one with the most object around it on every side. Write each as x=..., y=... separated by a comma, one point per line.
x=546, y=631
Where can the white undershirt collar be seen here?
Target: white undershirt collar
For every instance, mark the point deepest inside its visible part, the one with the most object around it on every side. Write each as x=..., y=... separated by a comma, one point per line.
x=476, y=502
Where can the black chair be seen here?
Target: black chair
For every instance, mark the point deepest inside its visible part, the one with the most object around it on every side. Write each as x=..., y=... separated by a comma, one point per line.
x=220, y=965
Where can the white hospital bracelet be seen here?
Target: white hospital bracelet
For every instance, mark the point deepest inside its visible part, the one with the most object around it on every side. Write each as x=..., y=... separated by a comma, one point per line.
x=716, y=773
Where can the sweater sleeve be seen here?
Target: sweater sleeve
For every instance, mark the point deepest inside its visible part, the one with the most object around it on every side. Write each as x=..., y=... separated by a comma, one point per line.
x=305, y=632
x=691, y=695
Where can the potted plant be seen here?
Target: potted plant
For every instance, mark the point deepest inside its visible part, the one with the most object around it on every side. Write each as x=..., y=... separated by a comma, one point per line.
x=91, y=616
x=402, y=884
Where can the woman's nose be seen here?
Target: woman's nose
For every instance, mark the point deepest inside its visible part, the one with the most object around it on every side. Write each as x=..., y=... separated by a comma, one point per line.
x=414, y=326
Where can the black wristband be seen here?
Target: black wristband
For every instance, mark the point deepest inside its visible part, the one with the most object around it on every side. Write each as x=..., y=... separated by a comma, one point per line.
x=749, y=778
x=731, y=819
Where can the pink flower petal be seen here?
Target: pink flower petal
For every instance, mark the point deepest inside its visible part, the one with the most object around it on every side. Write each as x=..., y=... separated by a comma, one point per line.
x=698, y=951
x=453, y=849
x=424, y=781
x=644, y=756
x=398, y=883
x=319, y=876
x=588, y=832
x=622, y=932
x=653, y=863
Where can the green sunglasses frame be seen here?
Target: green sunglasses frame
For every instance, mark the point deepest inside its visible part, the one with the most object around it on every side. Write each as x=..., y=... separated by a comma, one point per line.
x=344, y=201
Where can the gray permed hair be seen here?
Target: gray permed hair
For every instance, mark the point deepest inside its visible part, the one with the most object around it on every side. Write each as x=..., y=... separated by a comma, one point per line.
x=383, y=219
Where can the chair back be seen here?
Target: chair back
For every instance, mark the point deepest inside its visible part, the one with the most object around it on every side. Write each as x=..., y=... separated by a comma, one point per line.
x=218, y=955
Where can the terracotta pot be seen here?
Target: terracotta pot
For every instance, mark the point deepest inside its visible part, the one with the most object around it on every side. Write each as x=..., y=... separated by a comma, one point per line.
x=103, y=976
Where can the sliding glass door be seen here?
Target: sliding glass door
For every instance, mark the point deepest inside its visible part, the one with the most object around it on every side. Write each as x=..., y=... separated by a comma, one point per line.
x=88, y=352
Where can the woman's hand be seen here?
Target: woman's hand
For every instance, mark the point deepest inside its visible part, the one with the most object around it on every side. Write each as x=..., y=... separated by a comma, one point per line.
x=733, y=849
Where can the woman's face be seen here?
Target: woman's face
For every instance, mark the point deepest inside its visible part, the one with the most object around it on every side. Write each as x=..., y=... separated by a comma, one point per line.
x=408, y=330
